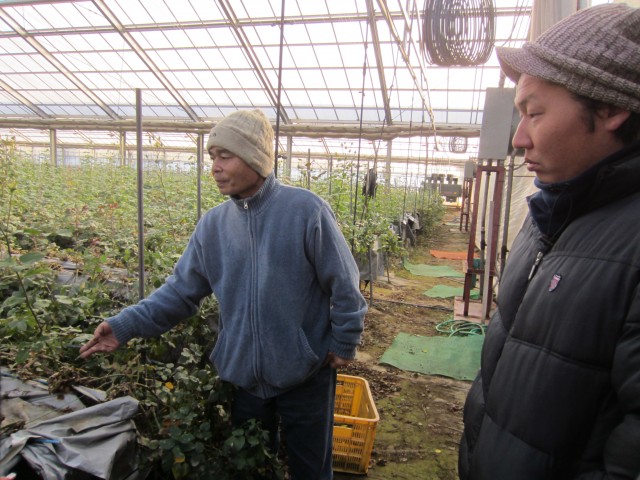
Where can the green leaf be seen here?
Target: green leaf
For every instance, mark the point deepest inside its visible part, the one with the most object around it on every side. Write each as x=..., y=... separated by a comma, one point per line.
x=36, y=271
x=84, y=300
x=82, y=338
x=167, y=444
x=13, y=300
x=7, y=262
x=253, y=441
x=22, y=356
x=186, y=438
x=42, y=303
x=31, y=257
x=235, y=443
x=63, y=299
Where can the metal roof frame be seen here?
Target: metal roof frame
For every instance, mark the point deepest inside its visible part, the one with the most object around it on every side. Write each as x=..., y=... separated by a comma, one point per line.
x=381, y=86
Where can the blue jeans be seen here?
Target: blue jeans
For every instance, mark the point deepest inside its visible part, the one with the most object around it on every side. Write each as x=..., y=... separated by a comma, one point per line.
x=305, y=416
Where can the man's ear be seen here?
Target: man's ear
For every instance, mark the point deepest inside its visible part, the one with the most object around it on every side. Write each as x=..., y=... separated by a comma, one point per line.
x=613, y=117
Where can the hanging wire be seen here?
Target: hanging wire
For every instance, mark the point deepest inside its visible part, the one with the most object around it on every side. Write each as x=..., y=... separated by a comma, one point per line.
x=426, y=162
x=406, y=186
x=364, y=79
x=521, y=12
x=279, y=105
x=458, y=32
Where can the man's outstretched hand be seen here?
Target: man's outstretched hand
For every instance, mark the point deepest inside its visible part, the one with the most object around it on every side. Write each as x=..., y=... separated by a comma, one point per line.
x=103, y=341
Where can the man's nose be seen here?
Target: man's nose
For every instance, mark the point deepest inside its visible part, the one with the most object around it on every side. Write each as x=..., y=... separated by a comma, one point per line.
x=520, y=138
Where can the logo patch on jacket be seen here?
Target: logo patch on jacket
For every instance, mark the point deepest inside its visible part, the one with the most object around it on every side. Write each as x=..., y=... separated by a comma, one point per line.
x=554, y=282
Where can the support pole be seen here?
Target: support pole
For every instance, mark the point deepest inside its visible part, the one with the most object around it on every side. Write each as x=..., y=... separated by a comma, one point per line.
x=483, y=224
x=330, y=175
x=467, y=190
x=123, y=149
x=387, y=167
x=287, y=165
x=488, y=276
x=53, y=147
x=494, y=213
x=507, y=212
x=140, y=165
x=199, y=165
x=279, y=104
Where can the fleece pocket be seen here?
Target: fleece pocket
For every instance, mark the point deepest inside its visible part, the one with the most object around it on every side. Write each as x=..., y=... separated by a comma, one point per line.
x=233, y=362
x=288, y=363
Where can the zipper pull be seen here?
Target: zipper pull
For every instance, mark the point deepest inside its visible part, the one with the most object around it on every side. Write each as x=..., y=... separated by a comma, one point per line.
x=535, y=266
x=246, y=205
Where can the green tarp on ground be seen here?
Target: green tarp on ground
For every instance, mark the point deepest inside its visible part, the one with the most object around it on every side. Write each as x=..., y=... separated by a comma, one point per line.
x=432, y=270
x=448, y=291
x=454, y=357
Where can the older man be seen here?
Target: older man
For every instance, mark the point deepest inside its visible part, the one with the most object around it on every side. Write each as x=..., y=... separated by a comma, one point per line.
x=291, y=311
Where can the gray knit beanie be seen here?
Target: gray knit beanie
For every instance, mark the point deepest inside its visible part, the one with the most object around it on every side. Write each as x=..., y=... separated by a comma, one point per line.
x=248, y=135
x=595, y=53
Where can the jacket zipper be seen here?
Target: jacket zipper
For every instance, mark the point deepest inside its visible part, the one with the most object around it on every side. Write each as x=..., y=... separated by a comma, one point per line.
x=534, y=268
x=257, y=372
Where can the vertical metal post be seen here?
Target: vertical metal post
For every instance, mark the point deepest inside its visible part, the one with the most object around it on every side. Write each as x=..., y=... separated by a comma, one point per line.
x=483, y=221
x=371, y=276
x=308, y=169
x=140, y=164
x=287, y=166
x=199, y=161
x=53, y=146
x=487, y=297
x=279, y=105
x=387, y=167
x=123, y=148
x=507, y=212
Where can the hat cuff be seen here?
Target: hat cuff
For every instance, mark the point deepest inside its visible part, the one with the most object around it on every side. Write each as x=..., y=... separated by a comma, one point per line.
x=516, y=61
x=243, y=148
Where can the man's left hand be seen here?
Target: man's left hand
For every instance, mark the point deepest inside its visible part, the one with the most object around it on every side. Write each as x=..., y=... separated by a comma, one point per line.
x=335, y=361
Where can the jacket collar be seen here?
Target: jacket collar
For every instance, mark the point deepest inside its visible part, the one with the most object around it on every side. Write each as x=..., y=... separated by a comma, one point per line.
x=261, y=197
x=558, y=204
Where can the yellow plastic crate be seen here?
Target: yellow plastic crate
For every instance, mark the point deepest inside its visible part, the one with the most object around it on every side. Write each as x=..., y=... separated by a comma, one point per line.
x=355, y=420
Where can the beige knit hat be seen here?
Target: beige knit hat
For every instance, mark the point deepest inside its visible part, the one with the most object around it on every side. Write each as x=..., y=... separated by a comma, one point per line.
x=249, y=135
x=595, y=53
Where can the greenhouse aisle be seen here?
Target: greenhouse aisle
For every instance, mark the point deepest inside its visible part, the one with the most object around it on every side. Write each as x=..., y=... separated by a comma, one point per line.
x=420, y=421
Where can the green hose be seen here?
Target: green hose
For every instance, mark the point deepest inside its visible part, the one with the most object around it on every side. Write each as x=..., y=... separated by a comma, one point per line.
x=461, y=328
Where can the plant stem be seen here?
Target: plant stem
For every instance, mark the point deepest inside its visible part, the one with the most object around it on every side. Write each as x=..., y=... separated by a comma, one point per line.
x=18, y=276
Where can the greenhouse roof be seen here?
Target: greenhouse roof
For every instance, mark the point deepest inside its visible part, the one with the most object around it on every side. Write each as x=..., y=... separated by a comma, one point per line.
x=347, y=74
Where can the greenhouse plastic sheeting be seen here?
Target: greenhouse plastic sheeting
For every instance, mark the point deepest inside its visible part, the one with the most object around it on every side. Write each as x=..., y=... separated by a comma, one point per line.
x=97, y=441
x=370, y=267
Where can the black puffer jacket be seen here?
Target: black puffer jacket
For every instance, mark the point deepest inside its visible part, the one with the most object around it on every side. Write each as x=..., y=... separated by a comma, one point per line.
x=558, y=395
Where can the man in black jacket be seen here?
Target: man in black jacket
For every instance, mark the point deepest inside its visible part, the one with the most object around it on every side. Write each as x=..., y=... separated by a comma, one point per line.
x=558, y=393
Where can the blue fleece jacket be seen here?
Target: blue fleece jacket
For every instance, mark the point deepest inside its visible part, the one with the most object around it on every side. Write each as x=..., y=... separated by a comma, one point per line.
x=286, y=284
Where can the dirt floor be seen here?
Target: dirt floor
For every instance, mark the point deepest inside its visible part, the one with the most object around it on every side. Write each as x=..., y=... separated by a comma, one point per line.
x=420, y=422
